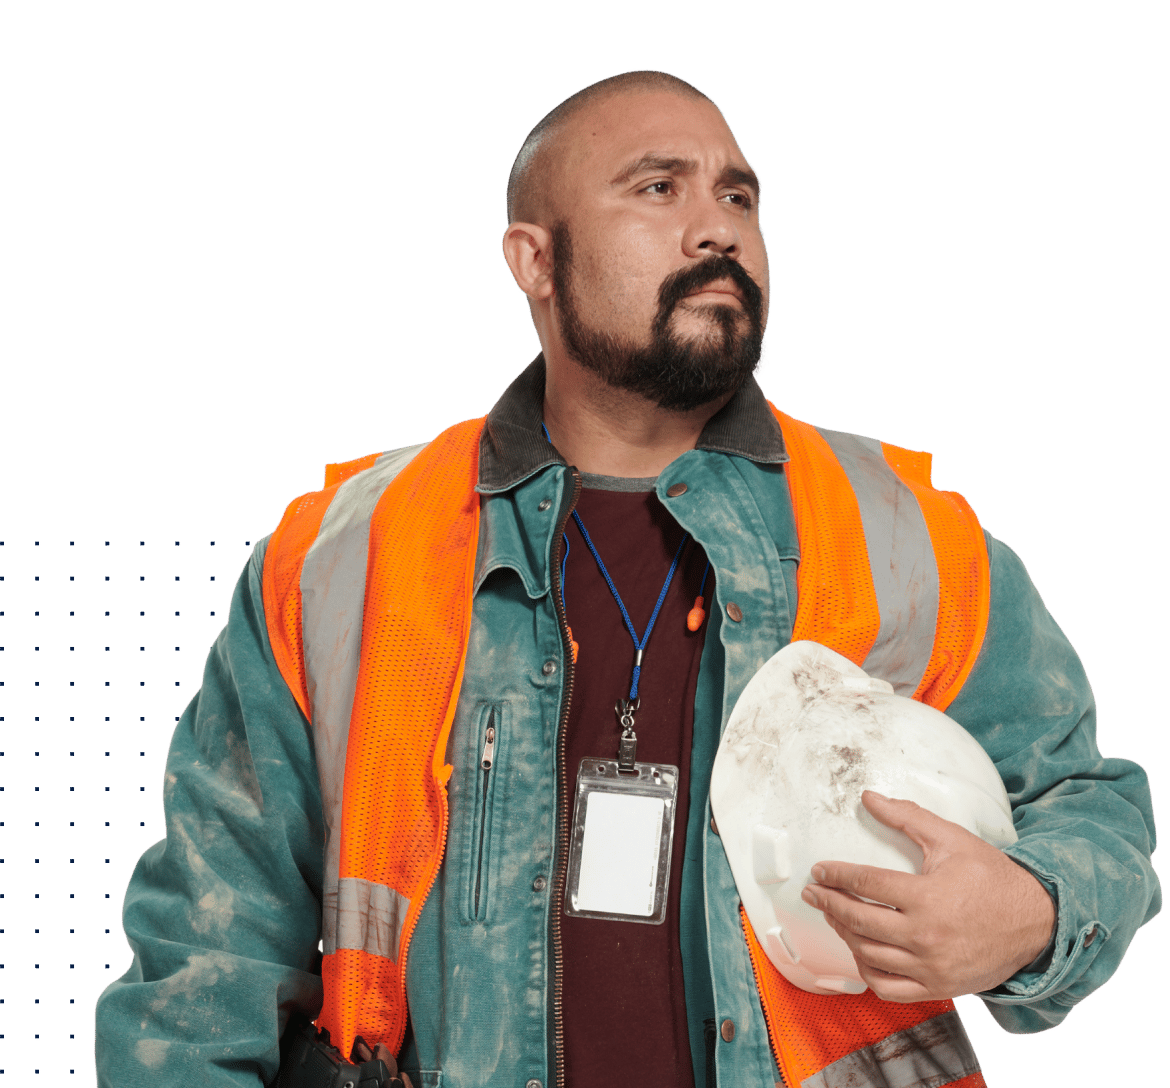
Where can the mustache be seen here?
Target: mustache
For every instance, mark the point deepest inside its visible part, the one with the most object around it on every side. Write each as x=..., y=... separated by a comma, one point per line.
x=678, y=285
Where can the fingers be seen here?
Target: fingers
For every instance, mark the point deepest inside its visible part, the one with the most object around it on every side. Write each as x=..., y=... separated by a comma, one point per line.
x=386, y=1055
x=866, y=881
x=869, y=920
x=886, y=969
x=893, y=987
x=879, y=956
x=915, y=822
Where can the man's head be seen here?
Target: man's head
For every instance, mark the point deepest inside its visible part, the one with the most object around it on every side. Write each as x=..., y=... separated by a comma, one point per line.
x=634, y=233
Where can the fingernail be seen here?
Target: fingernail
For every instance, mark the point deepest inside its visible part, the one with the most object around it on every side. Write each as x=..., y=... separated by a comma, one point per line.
x=808, y=897
x=818, y=873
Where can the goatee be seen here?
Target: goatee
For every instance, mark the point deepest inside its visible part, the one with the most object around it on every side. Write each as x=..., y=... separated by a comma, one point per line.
x=676, y=374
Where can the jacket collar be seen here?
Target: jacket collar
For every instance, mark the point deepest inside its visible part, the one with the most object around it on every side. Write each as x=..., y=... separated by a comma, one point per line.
x=513, y=447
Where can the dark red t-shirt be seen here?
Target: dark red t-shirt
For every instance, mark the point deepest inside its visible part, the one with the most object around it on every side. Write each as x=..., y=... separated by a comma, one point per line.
x=623, y=1001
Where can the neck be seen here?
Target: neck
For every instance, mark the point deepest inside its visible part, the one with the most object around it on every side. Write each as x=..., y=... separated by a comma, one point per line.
x=612, y=432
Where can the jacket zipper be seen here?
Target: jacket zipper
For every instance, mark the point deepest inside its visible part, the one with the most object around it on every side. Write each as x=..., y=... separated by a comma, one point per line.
x=562, y=843
x=485, y=763
x=767, y=1023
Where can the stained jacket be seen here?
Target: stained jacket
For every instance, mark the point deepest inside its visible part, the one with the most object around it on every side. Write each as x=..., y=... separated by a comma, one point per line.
x=224, y=915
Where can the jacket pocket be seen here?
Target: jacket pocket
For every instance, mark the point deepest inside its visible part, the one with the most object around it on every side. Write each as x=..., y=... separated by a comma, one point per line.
x=486, y=741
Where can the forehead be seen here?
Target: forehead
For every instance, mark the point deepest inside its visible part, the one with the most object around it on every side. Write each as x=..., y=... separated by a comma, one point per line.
x=608, y=135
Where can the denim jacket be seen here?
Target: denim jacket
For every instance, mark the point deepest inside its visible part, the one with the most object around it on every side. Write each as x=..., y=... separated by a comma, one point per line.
x=224, y=915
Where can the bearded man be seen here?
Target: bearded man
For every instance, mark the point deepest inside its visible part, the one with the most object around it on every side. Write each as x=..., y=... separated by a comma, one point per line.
x=420, y=672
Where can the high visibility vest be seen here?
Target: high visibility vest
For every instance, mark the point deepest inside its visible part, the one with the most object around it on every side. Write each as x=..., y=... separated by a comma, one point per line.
x=367, y=591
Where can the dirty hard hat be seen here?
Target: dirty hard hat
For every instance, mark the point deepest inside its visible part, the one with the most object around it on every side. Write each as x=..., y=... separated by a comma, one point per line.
x=810, y=732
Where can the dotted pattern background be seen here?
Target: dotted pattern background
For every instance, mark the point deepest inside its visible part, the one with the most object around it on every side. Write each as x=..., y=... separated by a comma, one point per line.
x=102, y=646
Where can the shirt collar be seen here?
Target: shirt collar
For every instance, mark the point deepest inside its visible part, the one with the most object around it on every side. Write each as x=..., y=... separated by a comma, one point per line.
x=513, y=447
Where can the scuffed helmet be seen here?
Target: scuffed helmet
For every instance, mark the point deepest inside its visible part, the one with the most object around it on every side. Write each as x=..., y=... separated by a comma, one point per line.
x=810, y=732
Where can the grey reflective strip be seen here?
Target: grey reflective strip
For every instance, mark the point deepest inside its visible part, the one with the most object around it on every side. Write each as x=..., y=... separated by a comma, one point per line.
x=901, y=561
x=929, y=1055
x=364, y=915
x=333, y=593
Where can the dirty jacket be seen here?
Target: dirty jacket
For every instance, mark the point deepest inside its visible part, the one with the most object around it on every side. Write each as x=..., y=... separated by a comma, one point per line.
x=224, y=915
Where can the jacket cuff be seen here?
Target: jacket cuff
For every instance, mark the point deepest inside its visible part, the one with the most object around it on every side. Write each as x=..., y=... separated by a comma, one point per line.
x=1067, y=955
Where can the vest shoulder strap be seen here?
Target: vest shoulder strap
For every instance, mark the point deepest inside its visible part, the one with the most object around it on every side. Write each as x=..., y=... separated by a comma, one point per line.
x=893, y=574
x=367, y=597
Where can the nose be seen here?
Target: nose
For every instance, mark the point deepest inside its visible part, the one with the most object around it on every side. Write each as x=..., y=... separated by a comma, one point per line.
x=712, y=231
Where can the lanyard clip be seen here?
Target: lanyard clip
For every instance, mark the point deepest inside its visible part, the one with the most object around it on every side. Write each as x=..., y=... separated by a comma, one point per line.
x=628, y=744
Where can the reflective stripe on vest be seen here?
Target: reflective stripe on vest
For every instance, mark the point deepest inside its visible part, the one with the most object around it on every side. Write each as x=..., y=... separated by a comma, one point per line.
x=906, y=591
x=899, y=586
x=356, y=914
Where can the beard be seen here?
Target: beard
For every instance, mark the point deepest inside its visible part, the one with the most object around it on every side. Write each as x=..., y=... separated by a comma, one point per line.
x=676, y=374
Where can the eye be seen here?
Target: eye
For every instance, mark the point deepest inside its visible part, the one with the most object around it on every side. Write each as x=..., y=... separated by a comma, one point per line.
x=659, y=188
x=740, y=200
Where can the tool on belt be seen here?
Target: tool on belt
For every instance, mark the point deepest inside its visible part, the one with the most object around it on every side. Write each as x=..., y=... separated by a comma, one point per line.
x=309, y=1060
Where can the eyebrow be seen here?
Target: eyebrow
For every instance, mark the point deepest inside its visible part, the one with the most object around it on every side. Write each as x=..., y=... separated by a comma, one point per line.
x=731, y=175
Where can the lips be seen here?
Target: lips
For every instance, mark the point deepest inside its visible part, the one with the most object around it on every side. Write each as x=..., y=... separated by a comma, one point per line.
x=719, y=287
x=723, y=279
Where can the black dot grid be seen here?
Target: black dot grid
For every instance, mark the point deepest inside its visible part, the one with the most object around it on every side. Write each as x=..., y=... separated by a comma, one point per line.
x=100, y=641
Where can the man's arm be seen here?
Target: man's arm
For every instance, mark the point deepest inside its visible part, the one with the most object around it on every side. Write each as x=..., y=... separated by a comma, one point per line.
x=1086, y=833
x=224, y=915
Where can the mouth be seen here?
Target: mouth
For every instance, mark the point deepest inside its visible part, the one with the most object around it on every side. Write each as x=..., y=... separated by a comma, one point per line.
x=721, y=291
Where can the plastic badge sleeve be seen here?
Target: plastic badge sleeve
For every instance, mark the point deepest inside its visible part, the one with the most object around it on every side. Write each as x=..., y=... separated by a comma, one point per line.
x=621, y=841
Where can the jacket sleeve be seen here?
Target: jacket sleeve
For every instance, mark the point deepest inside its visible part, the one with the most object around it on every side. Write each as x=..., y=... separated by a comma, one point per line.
x=1085, y=823
x=223, y=916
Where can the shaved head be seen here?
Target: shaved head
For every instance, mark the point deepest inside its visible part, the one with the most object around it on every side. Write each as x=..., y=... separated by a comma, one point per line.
x=528, y=188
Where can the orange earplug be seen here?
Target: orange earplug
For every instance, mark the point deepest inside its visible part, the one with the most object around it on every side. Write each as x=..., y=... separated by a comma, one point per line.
x=696, y=615
x=575, y=645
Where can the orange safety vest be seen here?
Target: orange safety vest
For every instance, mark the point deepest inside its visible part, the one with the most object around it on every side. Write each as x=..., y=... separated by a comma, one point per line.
x=391, y=542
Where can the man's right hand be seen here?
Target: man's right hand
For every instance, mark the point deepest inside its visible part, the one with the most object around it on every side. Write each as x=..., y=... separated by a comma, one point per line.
x=382, y=1052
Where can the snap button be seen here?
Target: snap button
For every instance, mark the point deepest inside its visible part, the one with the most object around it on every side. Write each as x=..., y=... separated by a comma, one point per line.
x=727, y=1030
x=548, y=668
x=676, y=489
x=734, y=611
x=533, y=1083
x=538, y=884
x=544, y=504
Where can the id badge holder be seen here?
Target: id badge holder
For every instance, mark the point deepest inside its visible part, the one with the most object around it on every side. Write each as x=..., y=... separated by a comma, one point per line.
x=620, y=841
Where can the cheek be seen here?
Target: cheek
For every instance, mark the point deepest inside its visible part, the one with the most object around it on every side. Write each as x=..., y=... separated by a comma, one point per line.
x=620, y=285
x=643, y=247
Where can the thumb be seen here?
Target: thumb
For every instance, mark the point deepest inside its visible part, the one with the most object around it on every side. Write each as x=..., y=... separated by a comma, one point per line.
x=918, y=824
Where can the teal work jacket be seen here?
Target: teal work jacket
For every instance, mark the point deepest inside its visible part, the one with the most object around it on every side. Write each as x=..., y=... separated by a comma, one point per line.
x=224, y=915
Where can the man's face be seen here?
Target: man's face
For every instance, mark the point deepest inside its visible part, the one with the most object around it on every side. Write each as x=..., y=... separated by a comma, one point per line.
x=660, y=271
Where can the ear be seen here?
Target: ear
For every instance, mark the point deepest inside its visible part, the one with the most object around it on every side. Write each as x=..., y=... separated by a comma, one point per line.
x=528, y=251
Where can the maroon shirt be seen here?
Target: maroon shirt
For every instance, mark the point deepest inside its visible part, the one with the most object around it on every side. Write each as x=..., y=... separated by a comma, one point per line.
x=623, y=1000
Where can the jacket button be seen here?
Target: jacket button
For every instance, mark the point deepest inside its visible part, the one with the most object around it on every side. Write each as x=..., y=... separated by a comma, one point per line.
x=676, y=489
x=548, y=668
x=727, y=1030
x=538, y=884
x=734, y=611
x=713, y=826
x=533, y=1083
x=544, y=504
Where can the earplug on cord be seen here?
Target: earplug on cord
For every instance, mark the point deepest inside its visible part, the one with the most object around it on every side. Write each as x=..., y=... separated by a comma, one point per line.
x=697, y=614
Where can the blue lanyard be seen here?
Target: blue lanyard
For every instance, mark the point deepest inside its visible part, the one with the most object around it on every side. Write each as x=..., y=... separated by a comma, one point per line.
x=626, y=708
x=639, y=644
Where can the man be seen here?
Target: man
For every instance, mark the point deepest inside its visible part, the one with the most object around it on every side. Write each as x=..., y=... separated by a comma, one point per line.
x=422, y=664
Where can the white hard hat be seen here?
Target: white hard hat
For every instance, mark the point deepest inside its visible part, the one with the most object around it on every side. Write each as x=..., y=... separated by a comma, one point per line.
x=810, y=732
